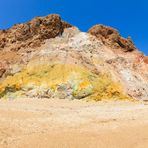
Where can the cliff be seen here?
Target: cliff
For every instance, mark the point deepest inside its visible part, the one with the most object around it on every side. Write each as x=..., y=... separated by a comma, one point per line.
x=49, y=58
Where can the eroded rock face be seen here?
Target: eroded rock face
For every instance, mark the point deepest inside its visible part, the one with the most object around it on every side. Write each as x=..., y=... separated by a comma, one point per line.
x=72, y=64
x=112, y=38
x=33, y=33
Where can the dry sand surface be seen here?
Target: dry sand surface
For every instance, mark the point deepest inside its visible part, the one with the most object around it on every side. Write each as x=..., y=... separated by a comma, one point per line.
x=35, y=123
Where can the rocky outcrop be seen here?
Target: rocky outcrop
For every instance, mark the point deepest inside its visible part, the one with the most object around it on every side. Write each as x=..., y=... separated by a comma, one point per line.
x=112, y=38
x=33, y=33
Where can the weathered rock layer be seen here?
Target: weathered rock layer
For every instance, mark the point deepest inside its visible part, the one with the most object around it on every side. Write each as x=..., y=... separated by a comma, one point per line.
x=33, y=33
x=112, y=38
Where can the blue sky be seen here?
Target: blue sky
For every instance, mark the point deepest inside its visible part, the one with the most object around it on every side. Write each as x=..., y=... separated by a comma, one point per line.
x=130, y=17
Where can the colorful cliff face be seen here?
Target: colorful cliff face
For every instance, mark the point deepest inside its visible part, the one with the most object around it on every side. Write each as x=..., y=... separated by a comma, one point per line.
x=73, y=65
x=60, y=81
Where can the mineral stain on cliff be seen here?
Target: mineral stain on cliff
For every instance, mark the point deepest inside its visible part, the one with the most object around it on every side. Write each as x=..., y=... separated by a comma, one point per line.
x=61, y=81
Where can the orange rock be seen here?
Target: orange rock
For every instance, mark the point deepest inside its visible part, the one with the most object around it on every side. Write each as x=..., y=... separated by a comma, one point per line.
x=32, y=33
x=111, y=37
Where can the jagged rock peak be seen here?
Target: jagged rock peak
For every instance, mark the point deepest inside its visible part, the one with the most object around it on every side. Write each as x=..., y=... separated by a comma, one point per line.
x=112, y=38
x=33, y=33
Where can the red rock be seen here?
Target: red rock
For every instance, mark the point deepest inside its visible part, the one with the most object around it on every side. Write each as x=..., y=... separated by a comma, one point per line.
x=33, y=33
x=111, y=37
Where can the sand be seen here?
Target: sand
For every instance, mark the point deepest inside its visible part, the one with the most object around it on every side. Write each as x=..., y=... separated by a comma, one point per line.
x=54, y=123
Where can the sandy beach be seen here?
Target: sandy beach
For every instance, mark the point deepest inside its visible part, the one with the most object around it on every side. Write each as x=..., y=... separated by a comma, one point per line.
x=55, y=123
